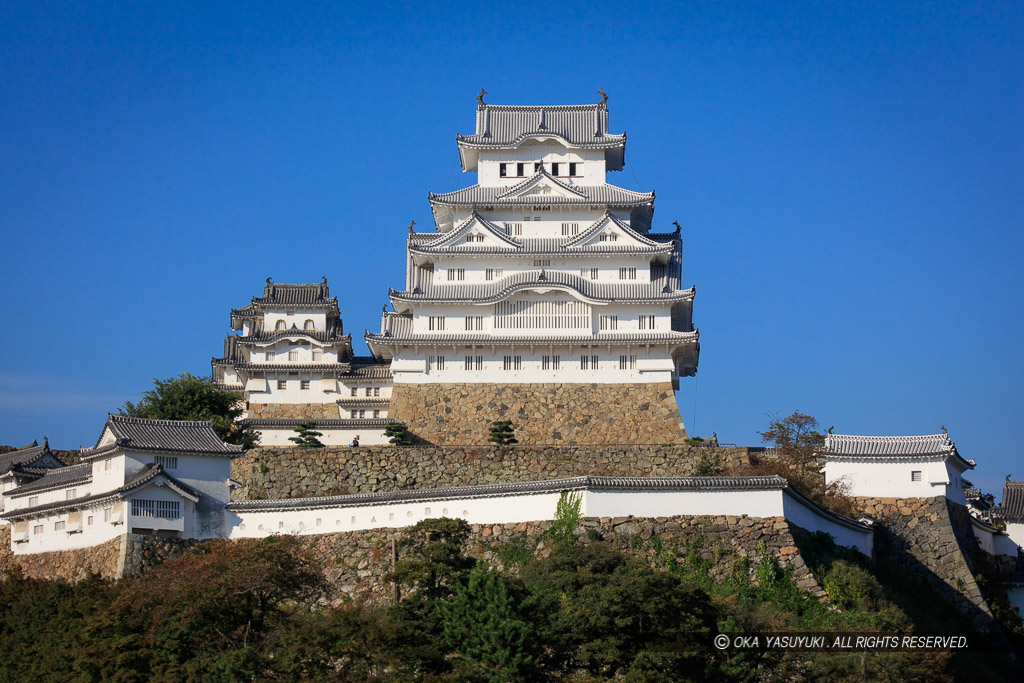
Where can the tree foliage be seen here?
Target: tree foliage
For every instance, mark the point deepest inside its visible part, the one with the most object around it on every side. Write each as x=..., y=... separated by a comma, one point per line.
x=188, y=397
x=502, y=432
x=397, y=433
x=306, y=435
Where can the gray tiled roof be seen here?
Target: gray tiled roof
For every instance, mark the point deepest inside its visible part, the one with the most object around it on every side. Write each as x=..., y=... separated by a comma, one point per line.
x=55, y=478
x=553, y=246
x=28, y=454
x=270, y=336
x=367, y=369
x=147, y=474
x=924, y=445
x=580, y=125
x=1011, y=508
x=643, y=292
x=332, y=368
x=314, y=295
x=138, y=434
x=597, y=195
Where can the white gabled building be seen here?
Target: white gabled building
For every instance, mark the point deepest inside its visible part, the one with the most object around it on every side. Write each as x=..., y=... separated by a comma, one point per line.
x=155, y=477
x=293, y=363
x=896, y=466
x=542, y=273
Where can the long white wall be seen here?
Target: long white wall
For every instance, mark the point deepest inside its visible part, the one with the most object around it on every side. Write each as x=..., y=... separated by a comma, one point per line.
x=529, y=507
x=895, y=479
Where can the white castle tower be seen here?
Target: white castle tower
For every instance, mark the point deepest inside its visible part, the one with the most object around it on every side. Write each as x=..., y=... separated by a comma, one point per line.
x=543, y=297
x=293, y=363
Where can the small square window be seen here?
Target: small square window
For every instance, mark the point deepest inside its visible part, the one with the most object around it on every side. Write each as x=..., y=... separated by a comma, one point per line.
x=282, y=384
x=915, y=475
x=304, y=384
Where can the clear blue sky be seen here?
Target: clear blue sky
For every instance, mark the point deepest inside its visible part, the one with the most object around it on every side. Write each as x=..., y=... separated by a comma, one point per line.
x=849, y=178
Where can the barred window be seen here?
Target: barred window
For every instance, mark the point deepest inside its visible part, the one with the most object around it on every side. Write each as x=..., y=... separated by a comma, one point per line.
x=609, y=322
x=436, y=322
x=627, y=362
x=590, y=273
x=608, y=237
x=268, y=356
x=493, y=273
x=514, y=229
x=355, y=391
x=474, y=322
x=304, y=384
x=435, y=363
x=37, y=529
x=58, y=526
x=376, y=414
x=282, y=384
x=627, y=273
x=550, y=362
x=915, y=475
x=646, y=322
x=318, y=354
x=168, y=462
x=588, y=363
x=513, y=363
x=293, y=355
x=157, y=509
x=309, y=326
x=570, y=229
x=541, y=262
x=376, y=391
x=456, y=274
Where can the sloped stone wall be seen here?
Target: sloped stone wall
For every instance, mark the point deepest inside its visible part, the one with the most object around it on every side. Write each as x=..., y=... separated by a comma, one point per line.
x=557, y=414
x=357, y=562
x=302, y=411
x=267, y=473
x=128, y=555
x=932, y=538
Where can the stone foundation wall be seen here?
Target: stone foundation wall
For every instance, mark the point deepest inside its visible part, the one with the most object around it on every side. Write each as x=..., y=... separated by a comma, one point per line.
x=129, y=555
x=558, y=414
x=356, y=562
x=932, y=538
x=280, y=411
x=267, y=473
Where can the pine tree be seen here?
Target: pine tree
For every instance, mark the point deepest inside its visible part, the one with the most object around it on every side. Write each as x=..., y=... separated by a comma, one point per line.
x=307, y=436
x=397, y=433
x=502, y=433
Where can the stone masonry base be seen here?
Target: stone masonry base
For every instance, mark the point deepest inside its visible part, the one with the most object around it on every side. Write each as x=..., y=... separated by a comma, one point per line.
x=282, y=411
x=556, y=414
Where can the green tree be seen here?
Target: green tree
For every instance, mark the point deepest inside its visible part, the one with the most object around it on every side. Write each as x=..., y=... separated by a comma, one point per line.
x=484, y=624
x=188, y=397
x=306, y=435
x=502, y=433
x=397, y=433
x=567, y=517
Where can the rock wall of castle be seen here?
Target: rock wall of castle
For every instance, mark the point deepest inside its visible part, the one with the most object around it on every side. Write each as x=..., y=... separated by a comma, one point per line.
x=357, y=562
x=932, y=538
x=302, y=411
x=127, y=555
x=558, y=414
x=267, y=473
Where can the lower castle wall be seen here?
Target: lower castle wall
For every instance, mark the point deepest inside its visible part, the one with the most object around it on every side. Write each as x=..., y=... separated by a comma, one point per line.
x=356, y=562
x=932, y=538
x=127, y=555
x=268, y=473
x=308, y=411
x=558, y=414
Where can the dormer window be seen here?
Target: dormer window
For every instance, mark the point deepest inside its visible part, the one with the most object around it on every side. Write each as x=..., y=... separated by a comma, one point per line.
x=279, y=325
x=309, y=326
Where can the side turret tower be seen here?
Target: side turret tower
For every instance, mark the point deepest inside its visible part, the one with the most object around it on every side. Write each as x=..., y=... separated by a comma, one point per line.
x=542, y=296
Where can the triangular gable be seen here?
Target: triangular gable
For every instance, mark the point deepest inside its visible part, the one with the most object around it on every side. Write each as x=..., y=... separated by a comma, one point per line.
x=486, y=234
x=610, y=233
x=542, y=184
x=163, y=479
x=107, y=437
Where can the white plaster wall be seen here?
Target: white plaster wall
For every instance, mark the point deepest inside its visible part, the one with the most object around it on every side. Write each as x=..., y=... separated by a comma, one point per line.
x=667, y=503
x=266, y=391
x=155, y=492
x=893, y=479
x=488, y=164
x=331, y=436
x=1015, y=530
x=475, y=266
x=651, y=366
x=51, y=540
x=812, y=520
x=293, y=316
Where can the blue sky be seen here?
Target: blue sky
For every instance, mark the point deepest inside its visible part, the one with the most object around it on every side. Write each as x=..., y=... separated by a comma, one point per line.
x=848, y=177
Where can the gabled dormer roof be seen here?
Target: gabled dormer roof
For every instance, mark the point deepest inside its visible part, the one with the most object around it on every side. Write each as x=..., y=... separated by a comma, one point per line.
x=489, y=195
x=576, y=126
x=33, y=454
x=609, y=224
x=494, y=237
x=182, y=436
x=539, y=184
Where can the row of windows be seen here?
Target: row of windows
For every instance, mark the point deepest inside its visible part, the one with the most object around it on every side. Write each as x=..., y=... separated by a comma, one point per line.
x=157, y=509
x=361, y=414
x=564, y=169
x=293, y=355
x=490, y=274
x=370, y=391
x=515, y=363
x=537, y=315
x=308, y=325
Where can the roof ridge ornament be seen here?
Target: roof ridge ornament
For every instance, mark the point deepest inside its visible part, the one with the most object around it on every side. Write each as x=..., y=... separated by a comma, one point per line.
x=480, y=104
x=679, y=229
x=542, y=125
x=604, y=97
x=411, y=223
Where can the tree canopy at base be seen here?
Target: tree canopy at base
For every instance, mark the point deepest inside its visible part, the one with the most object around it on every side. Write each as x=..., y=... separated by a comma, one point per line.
x=188, y=397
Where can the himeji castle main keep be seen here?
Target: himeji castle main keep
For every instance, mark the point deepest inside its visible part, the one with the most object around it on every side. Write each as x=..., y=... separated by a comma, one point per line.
x=542, y=296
